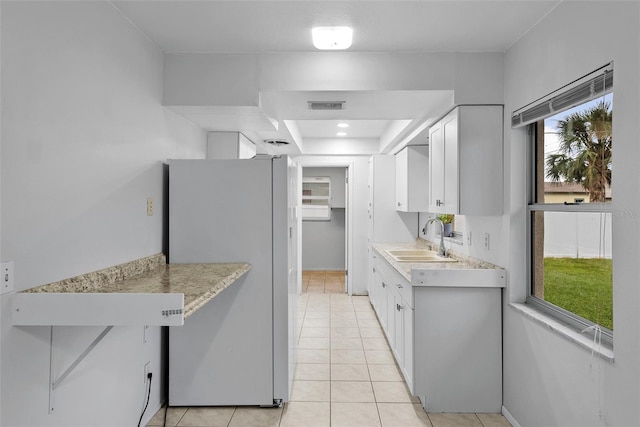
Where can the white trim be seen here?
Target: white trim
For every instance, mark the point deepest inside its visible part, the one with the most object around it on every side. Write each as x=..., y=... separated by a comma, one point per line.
x=348, y=164
x=564, y=331
x=510, y=418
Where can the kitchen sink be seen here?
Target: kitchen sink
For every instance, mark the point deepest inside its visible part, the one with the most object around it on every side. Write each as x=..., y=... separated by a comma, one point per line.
x=417, y=255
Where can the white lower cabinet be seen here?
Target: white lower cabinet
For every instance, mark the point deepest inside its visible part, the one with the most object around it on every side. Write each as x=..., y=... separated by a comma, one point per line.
x=458, y=348
x=392, y=300
x=372, y=283
x=447, y=340
x=404, y=342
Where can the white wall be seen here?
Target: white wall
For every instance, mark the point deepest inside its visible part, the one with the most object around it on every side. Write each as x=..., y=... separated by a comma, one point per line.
x=549, y=380
x=496, y=226
x=84, y=137
x=475, y=77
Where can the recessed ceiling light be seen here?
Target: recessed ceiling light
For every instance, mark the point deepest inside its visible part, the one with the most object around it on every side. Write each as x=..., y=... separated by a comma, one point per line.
x=341, y=134
x=332, y=38
x=343, y=125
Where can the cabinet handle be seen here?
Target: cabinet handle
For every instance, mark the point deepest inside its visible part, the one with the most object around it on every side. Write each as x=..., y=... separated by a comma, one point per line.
x=399, y=204
x=399, y=286
x=398, y=307
x=374, y=269
x=384, y=285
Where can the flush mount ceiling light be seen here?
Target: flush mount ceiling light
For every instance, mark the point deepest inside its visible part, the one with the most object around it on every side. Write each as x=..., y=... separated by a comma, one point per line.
x=343, y=125
x=332, y=38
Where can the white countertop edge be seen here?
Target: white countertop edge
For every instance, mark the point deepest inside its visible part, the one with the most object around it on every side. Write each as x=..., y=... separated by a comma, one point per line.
x=447, y=274
x=459, y=278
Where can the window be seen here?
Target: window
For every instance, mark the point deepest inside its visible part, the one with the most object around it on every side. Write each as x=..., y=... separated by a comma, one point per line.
x=570, y=205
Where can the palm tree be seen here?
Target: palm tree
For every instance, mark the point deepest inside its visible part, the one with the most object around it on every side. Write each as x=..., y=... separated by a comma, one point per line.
x=585, y=150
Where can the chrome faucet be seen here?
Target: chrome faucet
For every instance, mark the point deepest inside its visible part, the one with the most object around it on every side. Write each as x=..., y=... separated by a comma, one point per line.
x=441, y=251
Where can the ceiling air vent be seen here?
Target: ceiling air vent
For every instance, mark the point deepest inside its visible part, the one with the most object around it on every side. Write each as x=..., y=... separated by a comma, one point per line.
x=277, y=142
x=326, y=105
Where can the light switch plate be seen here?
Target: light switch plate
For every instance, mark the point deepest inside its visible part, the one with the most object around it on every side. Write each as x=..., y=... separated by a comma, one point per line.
x=6, y=279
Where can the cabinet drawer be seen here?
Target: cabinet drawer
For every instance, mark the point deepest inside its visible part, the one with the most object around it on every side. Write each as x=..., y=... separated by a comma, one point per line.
x=393, y=278
x=404, y=288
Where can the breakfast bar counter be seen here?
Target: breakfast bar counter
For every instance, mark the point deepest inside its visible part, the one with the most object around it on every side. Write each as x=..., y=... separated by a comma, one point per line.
x=143, y=292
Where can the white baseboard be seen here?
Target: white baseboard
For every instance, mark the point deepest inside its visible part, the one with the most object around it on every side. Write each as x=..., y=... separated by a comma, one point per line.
x=510, y=418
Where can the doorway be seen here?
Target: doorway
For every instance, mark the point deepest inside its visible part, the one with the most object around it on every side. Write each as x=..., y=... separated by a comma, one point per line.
x=325, y=229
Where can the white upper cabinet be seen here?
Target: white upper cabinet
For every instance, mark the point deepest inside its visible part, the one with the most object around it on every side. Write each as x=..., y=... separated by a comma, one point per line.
x=466, y=161
x=385, y=223
x=229, y=145
x=412, y=177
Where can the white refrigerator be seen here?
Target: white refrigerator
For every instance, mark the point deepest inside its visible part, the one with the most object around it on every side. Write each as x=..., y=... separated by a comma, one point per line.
x=239, y=348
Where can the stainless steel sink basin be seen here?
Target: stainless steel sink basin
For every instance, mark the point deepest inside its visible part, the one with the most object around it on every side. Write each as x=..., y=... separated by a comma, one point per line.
x=419, y=255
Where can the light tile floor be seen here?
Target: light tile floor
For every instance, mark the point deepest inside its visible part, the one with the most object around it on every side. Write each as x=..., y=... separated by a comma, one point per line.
x=331, y=281
x=346, y=374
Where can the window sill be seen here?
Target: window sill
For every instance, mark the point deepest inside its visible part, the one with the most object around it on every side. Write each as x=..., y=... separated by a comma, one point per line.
x=456, y=238
x=564, y=331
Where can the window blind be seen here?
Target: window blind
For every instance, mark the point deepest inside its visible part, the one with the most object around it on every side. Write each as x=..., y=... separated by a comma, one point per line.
x=591, y=86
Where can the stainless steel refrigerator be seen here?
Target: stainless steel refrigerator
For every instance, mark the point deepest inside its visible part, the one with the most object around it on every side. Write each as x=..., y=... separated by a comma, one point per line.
x=239, y=348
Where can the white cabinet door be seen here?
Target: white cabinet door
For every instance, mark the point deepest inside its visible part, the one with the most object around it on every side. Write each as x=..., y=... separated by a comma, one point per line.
x=465, y=161
x=391, y=314
x=407, y=345
x=450, y=177
x=412, y=179
x=370, y=277
x=443, y=165
x=436, y=168
x=382, y=298
x=397, y=317
x=403, y=336
x=373, y=285
x=402, y=180
x=398, y=327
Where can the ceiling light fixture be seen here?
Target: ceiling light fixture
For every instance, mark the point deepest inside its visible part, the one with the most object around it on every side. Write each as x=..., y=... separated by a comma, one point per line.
x=343, y=125
x=332, y=38
x=342, y=134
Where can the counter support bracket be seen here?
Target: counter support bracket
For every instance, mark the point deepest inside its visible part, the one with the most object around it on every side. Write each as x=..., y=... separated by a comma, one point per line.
x=55, y=383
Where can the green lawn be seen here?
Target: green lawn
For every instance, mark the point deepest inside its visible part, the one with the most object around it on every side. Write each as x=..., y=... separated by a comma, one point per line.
x=582, y=286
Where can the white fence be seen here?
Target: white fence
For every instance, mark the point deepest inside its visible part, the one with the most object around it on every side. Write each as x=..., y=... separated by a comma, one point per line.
x=577, y=235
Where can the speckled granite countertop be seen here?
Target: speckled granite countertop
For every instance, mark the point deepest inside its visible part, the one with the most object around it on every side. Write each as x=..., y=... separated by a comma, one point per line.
x=198, y=282
x=406, y=269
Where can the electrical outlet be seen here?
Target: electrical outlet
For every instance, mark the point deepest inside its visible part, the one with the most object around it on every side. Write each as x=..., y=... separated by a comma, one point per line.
x=147, y=369
x=149, y=206
x=486, y=241
x=6, y=280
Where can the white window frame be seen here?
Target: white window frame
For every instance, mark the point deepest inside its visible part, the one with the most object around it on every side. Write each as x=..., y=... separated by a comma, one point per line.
x=589, y=87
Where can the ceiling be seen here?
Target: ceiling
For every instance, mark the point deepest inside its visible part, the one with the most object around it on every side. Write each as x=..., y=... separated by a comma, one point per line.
x=261, y=26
